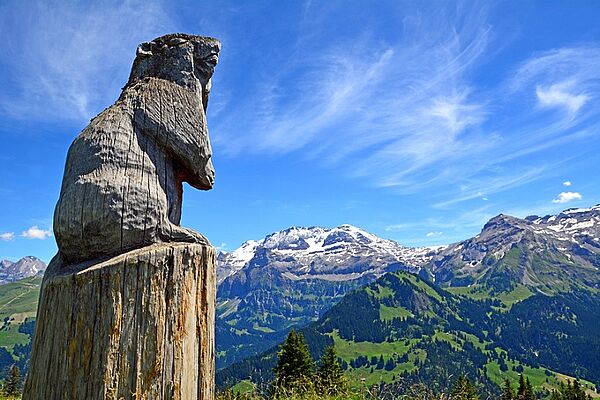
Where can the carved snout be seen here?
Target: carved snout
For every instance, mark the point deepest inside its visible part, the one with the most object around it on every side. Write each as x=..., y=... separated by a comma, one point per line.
x=209, y=173
x=205, y=178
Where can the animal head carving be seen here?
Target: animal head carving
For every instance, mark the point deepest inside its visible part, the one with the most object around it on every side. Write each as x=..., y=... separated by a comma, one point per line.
x=181, y=58
x=188, y=61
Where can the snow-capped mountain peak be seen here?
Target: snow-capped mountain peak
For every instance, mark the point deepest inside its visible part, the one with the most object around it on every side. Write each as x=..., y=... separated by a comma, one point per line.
x=23, y=268
x=325, y=253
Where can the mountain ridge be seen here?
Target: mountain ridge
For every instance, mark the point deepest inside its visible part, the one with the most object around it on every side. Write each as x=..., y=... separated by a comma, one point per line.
x=294, y=276
x=12, y=271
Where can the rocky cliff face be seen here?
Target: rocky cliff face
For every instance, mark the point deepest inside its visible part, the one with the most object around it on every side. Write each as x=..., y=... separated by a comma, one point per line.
x=340, y=254
x=548, y=253
x=24, y=268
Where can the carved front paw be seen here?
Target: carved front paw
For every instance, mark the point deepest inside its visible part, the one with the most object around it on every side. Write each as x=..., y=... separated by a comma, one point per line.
x=180, y=234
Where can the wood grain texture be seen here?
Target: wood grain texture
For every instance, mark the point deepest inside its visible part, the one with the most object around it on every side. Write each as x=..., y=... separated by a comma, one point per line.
x=137, y=326
x=127, y=306
x=122, y=184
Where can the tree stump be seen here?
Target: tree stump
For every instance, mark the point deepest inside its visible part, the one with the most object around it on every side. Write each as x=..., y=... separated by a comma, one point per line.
x=136, y=326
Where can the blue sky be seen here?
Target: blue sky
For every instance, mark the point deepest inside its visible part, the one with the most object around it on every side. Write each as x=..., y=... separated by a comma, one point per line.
x=417, y=121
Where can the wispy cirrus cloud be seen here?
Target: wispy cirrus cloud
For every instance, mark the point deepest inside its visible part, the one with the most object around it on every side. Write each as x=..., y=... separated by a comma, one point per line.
x=434, y=234
x=558, y=95
x=438, y=230
x=563, y=78
x=408, y=113
x=71, y=58
x=405, y=111
x=390, y=110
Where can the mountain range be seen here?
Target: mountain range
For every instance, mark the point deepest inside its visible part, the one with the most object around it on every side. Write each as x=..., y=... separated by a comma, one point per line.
x=292, y=277
x=551, y=253
x=24, y=268
x=513, y=268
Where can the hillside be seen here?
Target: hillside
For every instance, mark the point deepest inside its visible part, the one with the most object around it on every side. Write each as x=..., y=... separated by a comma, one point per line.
x=292, y=277
x=18, y=305
x=403, y=329
x=19, y=292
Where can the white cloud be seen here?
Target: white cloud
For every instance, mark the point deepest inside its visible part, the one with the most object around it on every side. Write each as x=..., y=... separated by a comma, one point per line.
x=36, y=233
x=7, y=236
x=396, y=227
x=390, y=110
x=221, y=247
x=493, y=183
x=566, y=197
x=567, y=183
x=560, y=78
x=557, y=95
x=70, y=59
x=434, y=234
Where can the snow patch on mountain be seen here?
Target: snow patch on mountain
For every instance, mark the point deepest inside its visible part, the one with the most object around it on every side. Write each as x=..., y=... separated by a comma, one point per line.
x=327, y=254
x=24, y=268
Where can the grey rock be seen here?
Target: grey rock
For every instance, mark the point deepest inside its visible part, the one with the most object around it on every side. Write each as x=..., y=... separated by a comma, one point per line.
x=122, y=185
x=547, y=254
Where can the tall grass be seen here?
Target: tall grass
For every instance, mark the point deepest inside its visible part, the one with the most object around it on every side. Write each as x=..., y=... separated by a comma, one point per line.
x=384, y=392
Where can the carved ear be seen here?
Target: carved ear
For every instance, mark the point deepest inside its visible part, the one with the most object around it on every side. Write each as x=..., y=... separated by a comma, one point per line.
x=144, y=50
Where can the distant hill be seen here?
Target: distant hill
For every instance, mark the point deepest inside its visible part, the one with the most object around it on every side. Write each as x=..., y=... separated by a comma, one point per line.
x=18, y=305
x=402, y=329
x=20, y=283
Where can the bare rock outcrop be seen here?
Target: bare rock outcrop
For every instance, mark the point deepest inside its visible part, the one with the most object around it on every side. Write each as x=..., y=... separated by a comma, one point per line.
x=127, y=305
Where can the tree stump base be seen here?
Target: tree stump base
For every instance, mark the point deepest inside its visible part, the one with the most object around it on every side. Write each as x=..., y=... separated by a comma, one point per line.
x=136, y=326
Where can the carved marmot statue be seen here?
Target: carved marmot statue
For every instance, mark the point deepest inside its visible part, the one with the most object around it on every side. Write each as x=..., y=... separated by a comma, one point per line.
x=122, y=185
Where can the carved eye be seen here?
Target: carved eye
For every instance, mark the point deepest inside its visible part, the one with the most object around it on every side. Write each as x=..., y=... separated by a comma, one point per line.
x=144, y=49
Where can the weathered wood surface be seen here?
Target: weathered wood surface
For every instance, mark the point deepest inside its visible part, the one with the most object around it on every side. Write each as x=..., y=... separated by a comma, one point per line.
x=137, y=326
x=122, y=185
x=127, y=306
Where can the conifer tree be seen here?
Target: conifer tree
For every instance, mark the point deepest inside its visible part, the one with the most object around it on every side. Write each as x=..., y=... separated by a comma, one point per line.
x=464, y=390
x=525, y=390
x=295, y=367
x=331, y=375
x=571, y=391
x=529, y=395
x=380, y=362
x=12, y=384
x=507, y=391
x=521, y=388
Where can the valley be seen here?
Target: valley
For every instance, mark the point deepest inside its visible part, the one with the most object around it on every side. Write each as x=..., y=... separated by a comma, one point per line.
x=521, y=297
